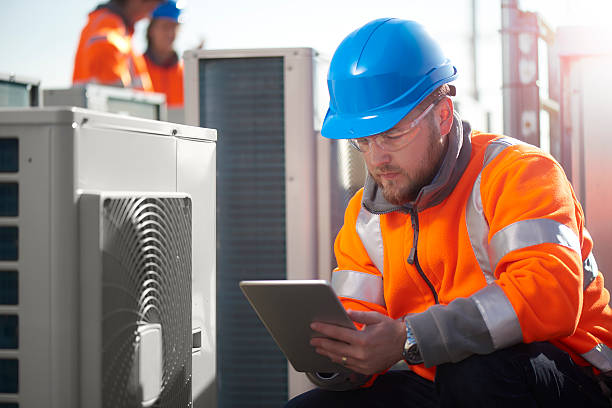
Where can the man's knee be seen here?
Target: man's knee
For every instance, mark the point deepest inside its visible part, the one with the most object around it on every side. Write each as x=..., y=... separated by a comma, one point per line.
x=467, y=379
x=297, y=402
x=312, y=398
x=525, y=372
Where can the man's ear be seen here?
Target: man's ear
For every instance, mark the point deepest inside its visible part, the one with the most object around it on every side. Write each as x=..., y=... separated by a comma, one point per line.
x=444, y=115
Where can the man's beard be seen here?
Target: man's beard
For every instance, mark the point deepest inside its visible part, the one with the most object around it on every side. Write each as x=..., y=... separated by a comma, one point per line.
x=407, y=186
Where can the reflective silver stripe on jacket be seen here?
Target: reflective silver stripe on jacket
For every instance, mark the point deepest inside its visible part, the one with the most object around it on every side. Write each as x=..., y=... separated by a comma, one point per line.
x=526, y=233
x=96, y=38
x=117, y=83
x=600, y=356
x=478, y=231
x=359, y=286
x=134, y=75
x=477, y=225
x=94, y=23
x=368, y=229
x=499, y=316
x=589, y=266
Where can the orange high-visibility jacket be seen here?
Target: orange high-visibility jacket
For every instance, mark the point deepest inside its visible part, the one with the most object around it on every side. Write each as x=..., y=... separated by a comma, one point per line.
x=167, y=79
x=493, y=253
x=105, y=54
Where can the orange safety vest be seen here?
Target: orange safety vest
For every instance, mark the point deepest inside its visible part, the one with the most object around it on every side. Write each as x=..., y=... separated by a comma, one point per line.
x=167, y=79
x=105, y=55
x=493, y=253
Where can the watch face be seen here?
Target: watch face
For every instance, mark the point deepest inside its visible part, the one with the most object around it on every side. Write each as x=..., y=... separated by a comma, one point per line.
x=413, y=355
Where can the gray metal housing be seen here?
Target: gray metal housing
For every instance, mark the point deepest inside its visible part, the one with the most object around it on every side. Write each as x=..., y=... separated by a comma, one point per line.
x=31, y=86
x=269, y=105
x=63, y=152
x=132, y=102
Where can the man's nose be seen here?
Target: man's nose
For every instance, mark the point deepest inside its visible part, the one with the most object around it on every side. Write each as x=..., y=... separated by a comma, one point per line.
x=378, y=156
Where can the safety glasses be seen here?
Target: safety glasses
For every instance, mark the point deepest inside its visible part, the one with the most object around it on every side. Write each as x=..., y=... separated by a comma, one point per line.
x=393, y=139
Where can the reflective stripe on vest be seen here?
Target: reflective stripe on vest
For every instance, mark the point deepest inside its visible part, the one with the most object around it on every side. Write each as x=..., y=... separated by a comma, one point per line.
x=368, y=229
x=600, y=356
x=359, y=286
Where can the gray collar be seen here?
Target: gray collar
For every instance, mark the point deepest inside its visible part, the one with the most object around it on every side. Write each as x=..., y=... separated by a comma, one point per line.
x=455, y=161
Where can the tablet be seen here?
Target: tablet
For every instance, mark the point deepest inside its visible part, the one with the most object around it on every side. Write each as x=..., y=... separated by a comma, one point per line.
x=287, y=307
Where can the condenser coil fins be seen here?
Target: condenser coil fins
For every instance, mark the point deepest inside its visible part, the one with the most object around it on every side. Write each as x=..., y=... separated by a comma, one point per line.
x=136, y=278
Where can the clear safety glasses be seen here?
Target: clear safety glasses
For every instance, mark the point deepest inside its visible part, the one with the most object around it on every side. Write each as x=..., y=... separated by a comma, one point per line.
x=393, y=139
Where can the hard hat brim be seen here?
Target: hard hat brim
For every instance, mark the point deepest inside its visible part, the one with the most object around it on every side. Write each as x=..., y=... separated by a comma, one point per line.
x=355, y=126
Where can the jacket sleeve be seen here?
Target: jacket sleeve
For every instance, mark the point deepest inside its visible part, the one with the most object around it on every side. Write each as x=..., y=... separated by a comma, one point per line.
x=533, y=250
x=536, y=236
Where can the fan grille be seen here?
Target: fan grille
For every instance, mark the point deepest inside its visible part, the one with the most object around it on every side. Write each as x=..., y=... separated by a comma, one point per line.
x=146, y=279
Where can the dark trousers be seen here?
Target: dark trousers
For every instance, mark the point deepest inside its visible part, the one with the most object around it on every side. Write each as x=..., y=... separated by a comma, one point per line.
x=524, y=376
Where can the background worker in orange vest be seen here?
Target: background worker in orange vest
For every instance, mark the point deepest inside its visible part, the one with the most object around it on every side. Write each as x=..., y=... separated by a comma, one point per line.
x=163, y=64
x=465, y=256
x=105, y=54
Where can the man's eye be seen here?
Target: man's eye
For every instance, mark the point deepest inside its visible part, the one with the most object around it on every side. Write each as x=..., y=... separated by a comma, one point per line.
x=393, y=136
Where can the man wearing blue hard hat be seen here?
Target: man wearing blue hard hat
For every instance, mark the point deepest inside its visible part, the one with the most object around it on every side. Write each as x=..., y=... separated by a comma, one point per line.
x=164, y=65
x=464, y=260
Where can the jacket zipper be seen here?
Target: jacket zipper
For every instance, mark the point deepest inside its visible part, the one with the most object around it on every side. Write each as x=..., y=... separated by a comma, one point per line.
x=413, y=259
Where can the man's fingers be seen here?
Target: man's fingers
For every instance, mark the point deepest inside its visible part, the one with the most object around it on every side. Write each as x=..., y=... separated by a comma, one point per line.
x=330, y=348
x=339, y=355
x=335, y=332
x=365, y=317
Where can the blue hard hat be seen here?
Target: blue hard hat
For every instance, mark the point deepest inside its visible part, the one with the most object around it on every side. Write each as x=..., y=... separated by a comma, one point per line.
x=167, y=10
x=378, y=74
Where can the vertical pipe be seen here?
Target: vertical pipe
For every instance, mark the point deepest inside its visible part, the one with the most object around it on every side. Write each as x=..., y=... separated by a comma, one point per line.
x=509, y=11
x=474, y=50
x=521, y=97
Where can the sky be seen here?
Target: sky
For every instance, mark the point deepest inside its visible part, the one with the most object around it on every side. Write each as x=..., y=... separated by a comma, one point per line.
x=39, y=37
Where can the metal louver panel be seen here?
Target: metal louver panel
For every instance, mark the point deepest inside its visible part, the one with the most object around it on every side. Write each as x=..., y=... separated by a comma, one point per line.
x=14, y=94
x=348, y=173
x=244, y=99
x=146, y=278
x=351, y=171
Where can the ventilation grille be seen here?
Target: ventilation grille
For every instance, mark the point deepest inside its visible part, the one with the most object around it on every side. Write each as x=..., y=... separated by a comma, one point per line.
x=348, y=173
x=351, y=172
x=14, y=94
x=146, y=280
x=244, y=99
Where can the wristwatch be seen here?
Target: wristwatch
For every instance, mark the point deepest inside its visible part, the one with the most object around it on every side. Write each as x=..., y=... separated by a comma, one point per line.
x=411, y=352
